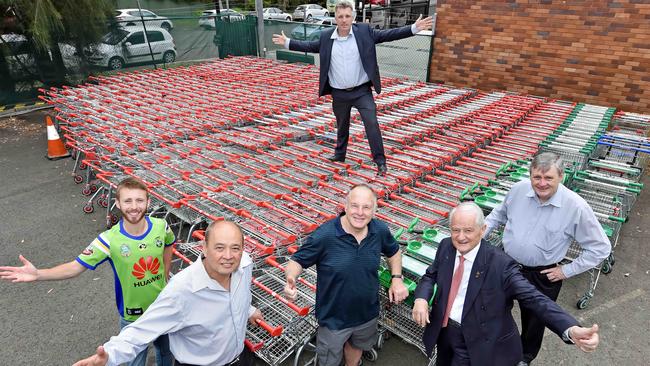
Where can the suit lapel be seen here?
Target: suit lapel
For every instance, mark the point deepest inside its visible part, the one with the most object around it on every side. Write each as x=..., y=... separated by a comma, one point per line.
x=327, y=50
x=476, y=277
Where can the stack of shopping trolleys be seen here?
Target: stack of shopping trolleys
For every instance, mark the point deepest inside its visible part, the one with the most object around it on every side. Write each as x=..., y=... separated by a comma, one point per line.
x=246, y=139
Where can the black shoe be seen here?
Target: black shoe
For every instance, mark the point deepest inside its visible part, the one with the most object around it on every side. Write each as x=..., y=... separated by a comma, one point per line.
x=381, y=169
x=336, y=158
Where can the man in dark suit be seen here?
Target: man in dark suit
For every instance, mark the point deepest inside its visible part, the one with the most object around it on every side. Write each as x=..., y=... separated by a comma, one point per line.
x=348, y=71
x=471, y=320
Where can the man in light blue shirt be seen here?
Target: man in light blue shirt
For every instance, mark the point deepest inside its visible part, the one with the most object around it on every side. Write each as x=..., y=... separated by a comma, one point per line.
x=542, y=218
x=349, y=71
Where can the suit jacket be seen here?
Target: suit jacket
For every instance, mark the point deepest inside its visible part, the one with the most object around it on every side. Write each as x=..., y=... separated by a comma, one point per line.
x=366, y=38
x=490, y=331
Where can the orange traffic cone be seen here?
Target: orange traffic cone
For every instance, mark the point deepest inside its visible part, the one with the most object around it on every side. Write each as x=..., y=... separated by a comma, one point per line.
x=55, y=148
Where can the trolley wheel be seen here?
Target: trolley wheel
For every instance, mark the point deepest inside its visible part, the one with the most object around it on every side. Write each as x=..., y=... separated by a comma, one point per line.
x=86, y=191
x=93, y=188
x=583, y=302
x=103, y=202
x=606, y=268
x=78, y=179
x=114, y=219
x=83, y=166
x=371, y=355
x=611, y=259
x=380, y=341
x=88, y=208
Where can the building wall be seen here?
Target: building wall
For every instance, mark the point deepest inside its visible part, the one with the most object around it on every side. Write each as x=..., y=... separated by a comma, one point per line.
x=592, y=51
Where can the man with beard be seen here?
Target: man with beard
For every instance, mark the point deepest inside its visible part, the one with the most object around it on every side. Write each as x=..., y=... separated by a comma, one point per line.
x=139, y=251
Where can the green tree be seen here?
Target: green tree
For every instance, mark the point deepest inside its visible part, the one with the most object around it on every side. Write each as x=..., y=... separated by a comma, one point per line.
x=47, y=23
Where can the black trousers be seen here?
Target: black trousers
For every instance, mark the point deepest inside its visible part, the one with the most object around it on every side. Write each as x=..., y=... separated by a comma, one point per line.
x=532, y=328
x=452, y=350
x=360, y=98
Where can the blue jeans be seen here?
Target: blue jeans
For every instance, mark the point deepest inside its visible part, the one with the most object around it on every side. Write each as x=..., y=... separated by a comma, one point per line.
x=163, y=354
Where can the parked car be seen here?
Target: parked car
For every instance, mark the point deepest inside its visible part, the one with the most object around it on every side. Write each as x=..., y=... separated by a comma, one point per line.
x=128, y=45
x=276, y=14
x=312, y=31
x=131, y=17
x=207, y=17
x=308, y=11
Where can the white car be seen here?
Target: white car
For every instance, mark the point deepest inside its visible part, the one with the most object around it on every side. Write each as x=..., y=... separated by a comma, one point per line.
x=207, y=17
x=131, y=17
x=308, y=11
x=129, y=45
x=276, y=14
x=20, y=60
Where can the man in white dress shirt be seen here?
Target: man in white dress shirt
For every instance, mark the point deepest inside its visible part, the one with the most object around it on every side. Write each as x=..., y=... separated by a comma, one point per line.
x=542, y=218
x=349, y=71
x=204, y=308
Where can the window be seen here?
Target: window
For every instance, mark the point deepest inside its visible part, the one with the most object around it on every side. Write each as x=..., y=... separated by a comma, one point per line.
x=148, y=14
x=136, y=38
x=155, y=36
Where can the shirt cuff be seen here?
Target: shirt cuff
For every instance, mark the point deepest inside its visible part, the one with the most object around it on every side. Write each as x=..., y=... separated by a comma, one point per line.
x=414, y=29
x=251, y=310
x=286, y=43
x=566, y=338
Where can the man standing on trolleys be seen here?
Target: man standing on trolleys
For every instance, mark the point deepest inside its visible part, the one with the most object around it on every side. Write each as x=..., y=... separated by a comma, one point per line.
x=204, y=309
x=139, y=251
x=542, y=218
x=346, y=251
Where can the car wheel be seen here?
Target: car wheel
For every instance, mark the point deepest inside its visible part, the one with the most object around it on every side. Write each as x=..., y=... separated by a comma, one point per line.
x=326, y=14
x=308, y=17
x=166, y=26
x=130, y=24
x=115, y=63
x=169, y=57
x=288, y=19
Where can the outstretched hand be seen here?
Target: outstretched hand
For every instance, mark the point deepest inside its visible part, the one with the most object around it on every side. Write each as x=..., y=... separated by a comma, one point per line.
x=586, y=339
x=100, y=358
x=423, y=24
x=26, y=273
x=280, y=39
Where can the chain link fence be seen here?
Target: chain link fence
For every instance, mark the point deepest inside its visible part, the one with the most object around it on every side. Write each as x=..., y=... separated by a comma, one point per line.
x=168, y=33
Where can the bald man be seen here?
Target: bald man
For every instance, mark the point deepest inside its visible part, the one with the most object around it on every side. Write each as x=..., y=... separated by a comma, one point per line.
x=219, y=281
x=346, y=251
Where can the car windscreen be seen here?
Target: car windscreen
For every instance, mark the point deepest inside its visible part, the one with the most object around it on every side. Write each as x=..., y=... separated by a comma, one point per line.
x=114, y=37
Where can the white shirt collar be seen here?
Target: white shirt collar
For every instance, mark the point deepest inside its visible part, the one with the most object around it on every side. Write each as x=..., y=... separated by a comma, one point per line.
x=202, y=280
x=335, y=34
x=471, y=255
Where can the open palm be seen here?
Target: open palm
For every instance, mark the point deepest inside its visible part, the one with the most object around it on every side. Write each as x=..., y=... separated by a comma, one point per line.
x=26, y=273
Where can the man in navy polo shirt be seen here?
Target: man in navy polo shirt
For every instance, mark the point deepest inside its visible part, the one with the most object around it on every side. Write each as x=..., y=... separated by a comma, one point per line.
x=346, y=252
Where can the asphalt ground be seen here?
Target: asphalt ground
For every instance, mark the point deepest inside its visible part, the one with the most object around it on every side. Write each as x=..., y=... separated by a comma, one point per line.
x=57, y=323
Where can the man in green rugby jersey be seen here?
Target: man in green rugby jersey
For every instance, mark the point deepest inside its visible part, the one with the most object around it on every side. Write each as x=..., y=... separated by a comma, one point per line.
x=139, y=249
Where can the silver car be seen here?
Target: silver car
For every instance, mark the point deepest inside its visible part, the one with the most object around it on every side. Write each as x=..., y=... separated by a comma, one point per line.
x=131, y=17
x=207, y=17
x=308, y=11
x=276, y=14
x=130, y=45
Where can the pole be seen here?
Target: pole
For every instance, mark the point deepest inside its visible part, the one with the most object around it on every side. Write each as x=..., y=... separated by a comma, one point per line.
x=144, y=27
x=261, y=43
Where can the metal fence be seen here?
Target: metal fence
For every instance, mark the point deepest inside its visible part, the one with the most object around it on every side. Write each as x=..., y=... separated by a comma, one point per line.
x=190, y=32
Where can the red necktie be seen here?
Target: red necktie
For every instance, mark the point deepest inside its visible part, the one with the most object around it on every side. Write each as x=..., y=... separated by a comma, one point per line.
x=453, y=291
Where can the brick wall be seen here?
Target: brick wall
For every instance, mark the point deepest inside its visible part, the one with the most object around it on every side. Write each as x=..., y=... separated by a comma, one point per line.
x=591, y=51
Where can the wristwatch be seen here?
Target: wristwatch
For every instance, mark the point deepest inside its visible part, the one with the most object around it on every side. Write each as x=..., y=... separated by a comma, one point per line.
x=397, y=276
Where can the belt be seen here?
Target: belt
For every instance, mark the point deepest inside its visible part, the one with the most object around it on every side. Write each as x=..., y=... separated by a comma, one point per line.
x=536, y=269
x=452, y=323
x=366, y=84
